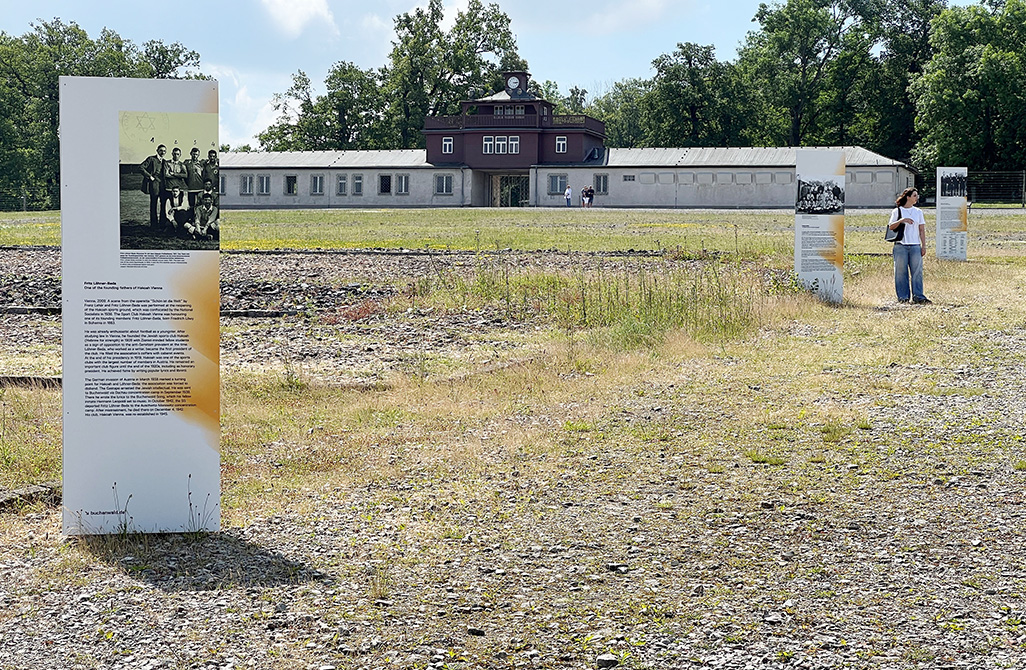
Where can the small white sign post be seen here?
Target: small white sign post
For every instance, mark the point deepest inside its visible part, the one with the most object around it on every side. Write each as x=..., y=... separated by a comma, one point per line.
x=952, y=213
x=819, y=222
x=140, y=306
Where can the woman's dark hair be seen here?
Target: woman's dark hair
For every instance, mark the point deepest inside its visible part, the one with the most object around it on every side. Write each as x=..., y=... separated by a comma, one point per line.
x=900, y=202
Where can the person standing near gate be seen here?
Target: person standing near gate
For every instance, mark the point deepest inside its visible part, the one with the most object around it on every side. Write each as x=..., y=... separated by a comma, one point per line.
x=568, y=194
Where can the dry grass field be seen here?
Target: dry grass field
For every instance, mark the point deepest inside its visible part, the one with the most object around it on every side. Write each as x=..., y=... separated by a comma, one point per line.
x=518, y=446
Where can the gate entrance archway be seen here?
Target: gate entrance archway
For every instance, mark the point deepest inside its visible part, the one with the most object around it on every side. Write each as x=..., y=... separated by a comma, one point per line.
x=511, y=190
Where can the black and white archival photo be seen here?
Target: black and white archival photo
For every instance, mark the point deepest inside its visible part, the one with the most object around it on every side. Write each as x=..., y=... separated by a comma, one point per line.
x=169, y=181
x=819, y=196
x=954, y=184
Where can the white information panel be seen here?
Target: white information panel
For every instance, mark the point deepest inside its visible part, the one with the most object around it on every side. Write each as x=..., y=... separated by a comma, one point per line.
x=140, y=227
x=819, y=222
x=952, y=213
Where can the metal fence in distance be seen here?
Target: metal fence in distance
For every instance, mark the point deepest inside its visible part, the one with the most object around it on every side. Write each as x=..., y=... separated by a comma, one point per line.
x=29, y=199
x=992, y=187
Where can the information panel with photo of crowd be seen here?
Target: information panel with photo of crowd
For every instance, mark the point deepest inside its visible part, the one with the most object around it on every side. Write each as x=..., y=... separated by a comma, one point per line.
x=819, y=222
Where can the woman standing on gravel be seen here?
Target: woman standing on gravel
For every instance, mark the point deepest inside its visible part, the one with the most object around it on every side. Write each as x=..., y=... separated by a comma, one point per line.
x=910, y=249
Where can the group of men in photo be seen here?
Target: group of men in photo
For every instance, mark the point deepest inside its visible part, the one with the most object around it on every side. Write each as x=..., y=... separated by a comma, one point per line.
x=954, y=185
x=183, y=194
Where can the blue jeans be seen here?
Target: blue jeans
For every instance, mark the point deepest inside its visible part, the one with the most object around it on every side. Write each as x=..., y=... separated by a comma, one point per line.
x=908, y=267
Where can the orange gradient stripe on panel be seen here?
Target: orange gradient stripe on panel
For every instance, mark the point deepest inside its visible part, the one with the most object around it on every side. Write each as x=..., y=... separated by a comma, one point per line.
x=198, y=284
x=836, y=255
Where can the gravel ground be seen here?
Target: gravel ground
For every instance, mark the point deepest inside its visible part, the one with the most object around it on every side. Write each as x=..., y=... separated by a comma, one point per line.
x=905, y=549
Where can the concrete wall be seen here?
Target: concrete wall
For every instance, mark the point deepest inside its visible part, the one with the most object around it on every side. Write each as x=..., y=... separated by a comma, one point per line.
x=713, y=187
x=421, y=191
x=627, y=187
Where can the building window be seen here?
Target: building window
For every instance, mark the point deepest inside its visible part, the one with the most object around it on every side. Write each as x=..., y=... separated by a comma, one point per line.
x=384, y=184
x=316, y=184
x=291, y=184
x=557, y=184
x=443, y=184
x=342, y=185
x=519, y=110
x=500, y=145
x=402, y=184
x=246, y=184
x=602, y=184
x=264, y=184
x=487, y=144
x=514, y=144
x=222, y=185
x=628, y=177
x=357, y=184
x=561, y=144
x=446, y=145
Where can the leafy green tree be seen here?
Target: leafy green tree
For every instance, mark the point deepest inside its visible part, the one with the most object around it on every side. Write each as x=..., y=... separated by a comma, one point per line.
x=431, y=70
x=576, y=100
x=790, y=59
x=971, y=108
x=549, y=90
x=887, y=123
x=689, y=103
x=621, y=110
x=347, y=116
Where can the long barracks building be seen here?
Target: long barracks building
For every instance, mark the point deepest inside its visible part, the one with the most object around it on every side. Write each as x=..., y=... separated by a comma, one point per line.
x=510, y=150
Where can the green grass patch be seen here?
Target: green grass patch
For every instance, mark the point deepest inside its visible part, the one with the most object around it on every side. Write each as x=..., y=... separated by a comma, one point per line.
x=30, y=228
x=30, y=436
x=762, y=458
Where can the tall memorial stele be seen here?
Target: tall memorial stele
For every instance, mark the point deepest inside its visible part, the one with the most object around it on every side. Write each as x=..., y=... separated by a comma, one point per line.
x=819, y=222
x=952, y=238
x=140, y=305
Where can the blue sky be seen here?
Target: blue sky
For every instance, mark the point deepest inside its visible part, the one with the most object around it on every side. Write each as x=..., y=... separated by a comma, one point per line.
x=254, y=46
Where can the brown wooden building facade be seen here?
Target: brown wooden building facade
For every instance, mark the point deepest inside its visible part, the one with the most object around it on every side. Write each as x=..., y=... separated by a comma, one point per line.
x=503, y=136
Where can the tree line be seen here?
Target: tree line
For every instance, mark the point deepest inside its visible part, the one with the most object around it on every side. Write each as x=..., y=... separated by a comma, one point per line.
x=30, y=66
x=914, y=80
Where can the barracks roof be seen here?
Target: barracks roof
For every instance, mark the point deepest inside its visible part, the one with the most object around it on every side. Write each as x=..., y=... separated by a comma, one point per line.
x=732, y=157
x=684, y=157
x=391, y=158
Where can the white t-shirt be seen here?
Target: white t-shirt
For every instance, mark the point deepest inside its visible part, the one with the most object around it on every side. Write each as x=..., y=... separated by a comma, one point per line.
x=911, y=236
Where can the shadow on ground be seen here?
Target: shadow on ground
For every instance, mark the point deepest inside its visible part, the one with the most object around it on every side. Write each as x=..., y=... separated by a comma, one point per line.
x=198, y=561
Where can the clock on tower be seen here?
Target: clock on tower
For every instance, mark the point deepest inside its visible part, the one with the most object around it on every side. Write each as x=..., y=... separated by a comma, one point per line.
x=516, y=83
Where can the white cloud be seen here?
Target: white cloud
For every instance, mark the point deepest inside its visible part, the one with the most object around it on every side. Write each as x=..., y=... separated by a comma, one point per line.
x=292, y=17
x=246, y=107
